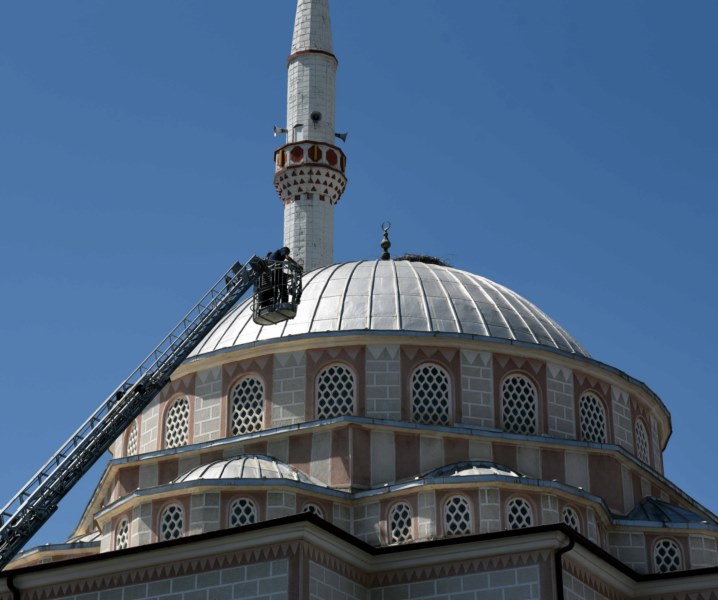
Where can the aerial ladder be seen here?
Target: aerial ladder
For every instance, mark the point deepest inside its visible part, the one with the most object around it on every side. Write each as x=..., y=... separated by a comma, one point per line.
x=277, y=291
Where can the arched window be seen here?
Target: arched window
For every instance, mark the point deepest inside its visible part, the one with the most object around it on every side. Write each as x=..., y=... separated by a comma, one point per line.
x=457, y=516
x=171, y=523
x=593, y=419
x=570, y=518
x=336, y=390
x=177, y=424
x=519, y=405
x=314, y=509
x=247, y=399
x=122, y=535
x=132, y=439
x=666, y=556
x=519, y=514
x=242, y=512
x=430, y=395
x=642, y=447
x=400, y=523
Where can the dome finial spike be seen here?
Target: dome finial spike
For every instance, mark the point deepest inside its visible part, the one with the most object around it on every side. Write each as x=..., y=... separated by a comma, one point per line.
x=385, y=243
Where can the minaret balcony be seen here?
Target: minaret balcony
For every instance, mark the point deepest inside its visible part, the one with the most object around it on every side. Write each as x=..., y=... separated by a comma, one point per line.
x=310, y=171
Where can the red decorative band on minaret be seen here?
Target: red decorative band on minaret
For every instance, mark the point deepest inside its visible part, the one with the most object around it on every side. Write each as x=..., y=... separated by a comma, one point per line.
x=310, y=170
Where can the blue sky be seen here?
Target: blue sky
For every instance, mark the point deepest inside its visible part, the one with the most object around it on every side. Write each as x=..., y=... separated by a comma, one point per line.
x=565, y=149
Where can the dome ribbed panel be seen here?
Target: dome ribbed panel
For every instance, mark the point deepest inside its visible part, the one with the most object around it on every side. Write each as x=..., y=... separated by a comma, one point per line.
x=249, y=466
x=399, y=296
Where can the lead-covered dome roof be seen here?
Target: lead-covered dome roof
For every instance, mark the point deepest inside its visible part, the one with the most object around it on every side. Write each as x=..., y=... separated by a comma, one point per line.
x=398, y=296
x=247, y=466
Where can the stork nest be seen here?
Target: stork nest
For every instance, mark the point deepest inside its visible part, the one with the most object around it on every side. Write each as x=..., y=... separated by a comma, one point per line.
x=423, y=258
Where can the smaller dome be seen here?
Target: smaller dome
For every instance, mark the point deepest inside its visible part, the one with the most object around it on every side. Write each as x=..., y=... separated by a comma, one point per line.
x=471, y=468
x=653, y=509
x=246, y=466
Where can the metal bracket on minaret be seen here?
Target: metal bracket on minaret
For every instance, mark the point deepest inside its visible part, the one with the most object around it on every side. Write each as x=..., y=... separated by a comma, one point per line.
x=309, y=168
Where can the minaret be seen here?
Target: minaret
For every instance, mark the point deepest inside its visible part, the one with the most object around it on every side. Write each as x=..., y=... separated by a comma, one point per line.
x=310, y=168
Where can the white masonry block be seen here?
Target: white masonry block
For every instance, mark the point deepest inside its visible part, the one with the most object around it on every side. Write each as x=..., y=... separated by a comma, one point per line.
x=561, y=411
x=288, y=389
x=208, y=402
x=622, y=421
x=477, y=389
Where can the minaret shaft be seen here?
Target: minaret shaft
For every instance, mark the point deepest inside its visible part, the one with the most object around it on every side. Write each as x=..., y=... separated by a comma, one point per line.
x=309, y=167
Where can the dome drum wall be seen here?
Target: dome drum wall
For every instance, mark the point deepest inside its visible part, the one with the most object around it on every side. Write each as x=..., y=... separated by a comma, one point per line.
x=460, y=504
x=353, y=454
x=475, y=387
x=383, y=385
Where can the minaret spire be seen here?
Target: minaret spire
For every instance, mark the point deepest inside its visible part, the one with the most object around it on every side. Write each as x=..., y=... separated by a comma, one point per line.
x=310, y=168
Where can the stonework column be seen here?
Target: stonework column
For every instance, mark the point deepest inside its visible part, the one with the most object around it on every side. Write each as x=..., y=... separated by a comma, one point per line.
x=309, y=168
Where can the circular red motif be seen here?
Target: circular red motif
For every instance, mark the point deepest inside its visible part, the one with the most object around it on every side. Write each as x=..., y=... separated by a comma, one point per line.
x=297, y=154
x=332, y=157
x=315, y=153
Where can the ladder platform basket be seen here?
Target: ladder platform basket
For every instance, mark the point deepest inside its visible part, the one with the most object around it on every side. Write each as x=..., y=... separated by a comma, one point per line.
x=277, y=292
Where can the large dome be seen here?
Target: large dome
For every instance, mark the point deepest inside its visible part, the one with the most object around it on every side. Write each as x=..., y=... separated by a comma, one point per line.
x=399, y=296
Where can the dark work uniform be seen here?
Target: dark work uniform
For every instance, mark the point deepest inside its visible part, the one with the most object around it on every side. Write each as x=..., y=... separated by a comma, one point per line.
x=279, y=276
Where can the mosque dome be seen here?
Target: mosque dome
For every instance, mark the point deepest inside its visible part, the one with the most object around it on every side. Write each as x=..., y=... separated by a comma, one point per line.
x=399, y=296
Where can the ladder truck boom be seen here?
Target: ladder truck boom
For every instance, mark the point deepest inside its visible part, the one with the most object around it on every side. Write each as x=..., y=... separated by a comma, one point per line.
x=33, y=505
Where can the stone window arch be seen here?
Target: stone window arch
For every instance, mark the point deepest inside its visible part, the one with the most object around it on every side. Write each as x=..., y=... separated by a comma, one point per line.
x=132, y=440
x=594, y=423
x=519, y=513
x=457, y=516
x=643, y=447
x=400, y=523
x=171, y=523
x=246, y=399
x=519, y=404
x=315, y=509
x=570, y=518
x=122, y=535
x=177, y=424
x=667, y=556
x=431, y=395
x=336, y=387
x=242, y=511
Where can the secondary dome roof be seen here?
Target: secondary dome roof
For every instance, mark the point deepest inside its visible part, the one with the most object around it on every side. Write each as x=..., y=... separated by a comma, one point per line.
x=247, y=466
x=391, y=296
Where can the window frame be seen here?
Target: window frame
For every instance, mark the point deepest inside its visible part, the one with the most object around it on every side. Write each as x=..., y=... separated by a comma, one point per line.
x=230, y=403
x=449, y=393
x=594, y=395
x=537, y=401
x=168, y=408
x=355, y=390
x=444, y=507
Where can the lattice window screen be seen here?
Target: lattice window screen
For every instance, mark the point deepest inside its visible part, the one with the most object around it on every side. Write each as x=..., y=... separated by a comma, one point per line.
x=400, y=523
x=642, y=447
x=571, y=518
x=177, y=424
x=171, y=523
x=314, y=509
x=247, y=406
x=667, y=556
x=457, y=516
x=242, y=512
x=519, y=400
x=122, y=536
x=519, y=513
x=430, y=395
x=132, y=440
x=336, y=390
x=593, y=419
